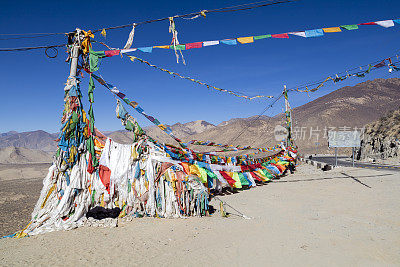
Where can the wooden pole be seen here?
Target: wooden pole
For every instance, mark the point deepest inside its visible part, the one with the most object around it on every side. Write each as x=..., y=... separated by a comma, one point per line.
x=75, y=54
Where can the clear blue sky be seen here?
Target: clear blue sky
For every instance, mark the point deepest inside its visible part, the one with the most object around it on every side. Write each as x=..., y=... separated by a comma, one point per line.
x=32, y=84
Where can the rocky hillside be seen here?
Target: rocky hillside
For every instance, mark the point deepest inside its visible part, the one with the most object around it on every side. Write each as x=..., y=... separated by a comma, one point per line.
x=349, y=108
x=39, y=140
x=19, y=155
x=181, y=130
x=381, y=139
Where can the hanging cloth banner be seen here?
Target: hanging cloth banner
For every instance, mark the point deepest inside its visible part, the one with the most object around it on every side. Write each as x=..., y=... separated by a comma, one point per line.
x=383, y=23
x=301, y=34
x=130, y=38
x=250, y=39
x=136, y=106
x=175, y=41
x=332, y=29
x=314, y=33
x=197, y=81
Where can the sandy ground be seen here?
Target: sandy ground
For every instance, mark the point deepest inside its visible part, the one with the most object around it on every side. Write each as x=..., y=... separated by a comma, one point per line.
x=20, y=186
x=309, y=218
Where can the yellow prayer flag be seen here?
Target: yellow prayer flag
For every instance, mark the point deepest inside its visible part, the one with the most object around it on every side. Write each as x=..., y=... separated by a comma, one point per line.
x=131, y=58
x=245, y=40
x=162, y=46
x=133, y=104
x=104, y=33
x=333, y=29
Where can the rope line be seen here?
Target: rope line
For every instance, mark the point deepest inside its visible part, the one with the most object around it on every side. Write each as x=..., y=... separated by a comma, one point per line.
x=29, y=48
x=224, y=9
x=241, y=7
x=352, y=70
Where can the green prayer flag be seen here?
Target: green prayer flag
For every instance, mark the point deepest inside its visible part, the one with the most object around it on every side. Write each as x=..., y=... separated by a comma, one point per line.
x=243, y=180
x=90, y=113
x=350, y=27
x=91, y=89
x=94, y=58
x=266, y=173
x=95, y=160
x=129, y=126
x=91, y=98
x=90, y=145
x=178, y=47
x=211, y=174
x=91, y=84
x=262, y=36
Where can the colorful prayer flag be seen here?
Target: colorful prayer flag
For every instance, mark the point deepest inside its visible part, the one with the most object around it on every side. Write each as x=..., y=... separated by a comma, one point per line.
x=162, y=46
x=177, y=47
x=245, y=40
x=368, y=23
x=332, y=29
x=146, y=49
x=111, y=53
x=314, y=33
x=301, y=34
x=385, y=23
x=194, y=45
x=280, y=35
x=209, y=43
x=350, y=27
x=262, y=36
x=229, y=42
x=104, y=33
x=128, y=50
x=133, y=104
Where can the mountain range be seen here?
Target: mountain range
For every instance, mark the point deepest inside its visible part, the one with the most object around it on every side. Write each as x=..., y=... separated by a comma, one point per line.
x=344, y=109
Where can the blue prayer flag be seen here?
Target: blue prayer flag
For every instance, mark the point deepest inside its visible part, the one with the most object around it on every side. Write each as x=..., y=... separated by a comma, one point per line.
x=148, y=49
x=314, y=33
x=229, y=42
x=139, y=109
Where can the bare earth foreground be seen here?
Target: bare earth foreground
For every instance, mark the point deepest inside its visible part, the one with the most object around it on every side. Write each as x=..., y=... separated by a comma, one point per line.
x=309, y=218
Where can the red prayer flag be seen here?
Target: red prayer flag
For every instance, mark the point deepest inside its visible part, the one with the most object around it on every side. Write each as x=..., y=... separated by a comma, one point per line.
x=227, y=178
x=105, y=174
x=368, y=23
x=194, y=45
x=111, y=53
x=280, y=35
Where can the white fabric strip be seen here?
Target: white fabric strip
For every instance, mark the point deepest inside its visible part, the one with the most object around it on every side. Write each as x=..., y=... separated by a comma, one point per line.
x=208, y=43
x=130, y=38
x=301, y=34
x=385, y=23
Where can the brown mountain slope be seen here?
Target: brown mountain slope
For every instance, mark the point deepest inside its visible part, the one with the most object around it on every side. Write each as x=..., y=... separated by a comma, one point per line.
x=19, y=155
x=348, y=108
x=343, y=109
x=39, y=139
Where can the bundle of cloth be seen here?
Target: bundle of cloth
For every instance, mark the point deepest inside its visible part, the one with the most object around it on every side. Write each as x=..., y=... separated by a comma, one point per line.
x=137, y=180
